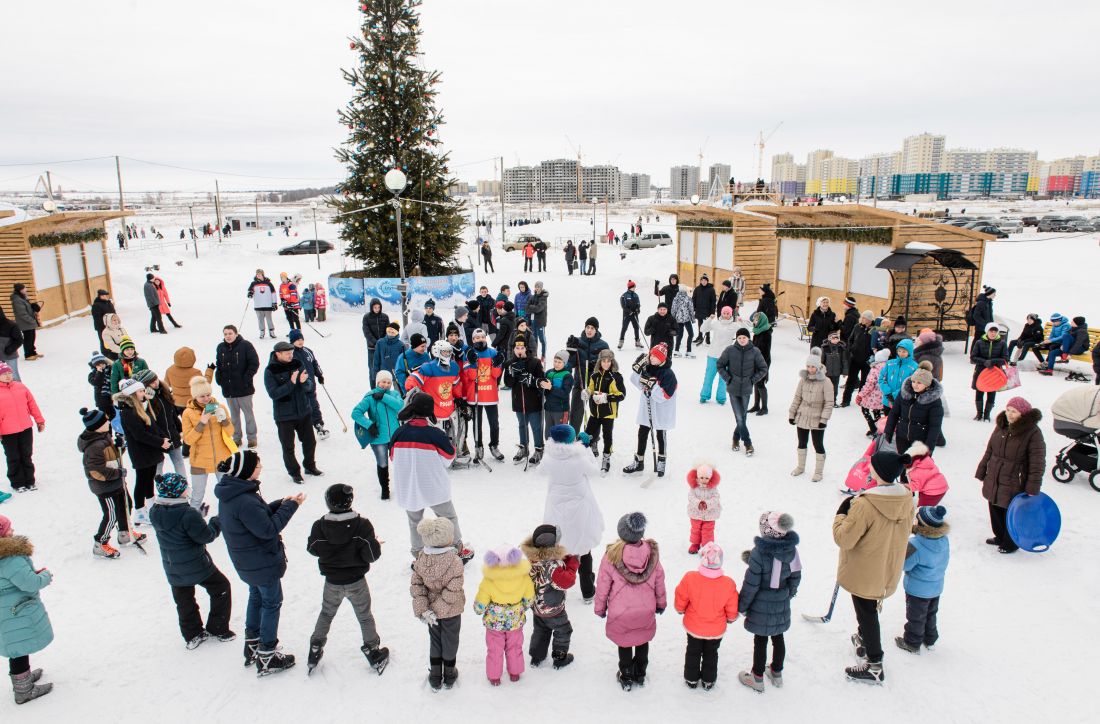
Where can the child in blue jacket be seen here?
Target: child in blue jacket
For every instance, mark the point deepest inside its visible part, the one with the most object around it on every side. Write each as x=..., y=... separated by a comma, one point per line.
x=925, y=566
x=895, y=372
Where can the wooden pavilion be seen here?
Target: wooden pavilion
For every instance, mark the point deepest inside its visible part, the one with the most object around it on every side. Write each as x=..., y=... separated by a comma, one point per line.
x=62, y=258
x=891, y=263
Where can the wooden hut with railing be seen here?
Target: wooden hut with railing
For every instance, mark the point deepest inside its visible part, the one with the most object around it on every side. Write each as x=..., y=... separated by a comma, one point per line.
x=62, y=258
x=893, y=264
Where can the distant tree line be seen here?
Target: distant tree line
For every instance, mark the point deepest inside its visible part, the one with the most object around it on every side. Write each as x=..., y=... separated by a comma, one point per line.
x=275, y=197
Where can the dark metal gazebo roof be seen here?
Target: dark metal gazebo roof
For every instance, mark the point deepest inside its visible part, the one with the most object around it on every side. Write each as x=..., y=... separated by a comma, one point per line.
x=905, y=258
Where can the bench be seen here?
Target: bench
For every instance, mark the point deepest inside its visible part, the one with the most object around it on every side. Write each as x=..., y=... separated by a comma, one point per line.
x=1086, y=356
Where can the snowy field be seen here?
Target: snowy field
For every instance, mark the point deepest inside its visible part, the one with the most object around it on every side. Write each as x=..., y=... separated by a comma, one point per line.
x=1018, y=633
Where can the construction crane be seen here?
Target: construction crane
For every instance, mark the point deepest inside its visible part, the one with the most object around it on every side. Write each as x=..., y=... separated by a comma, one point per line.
x=760, y=148
x=580, y=186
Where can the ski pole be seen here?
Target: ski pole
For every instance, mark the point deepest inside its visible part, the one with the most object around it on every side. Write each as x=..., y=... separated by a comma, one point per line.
x=334, y=407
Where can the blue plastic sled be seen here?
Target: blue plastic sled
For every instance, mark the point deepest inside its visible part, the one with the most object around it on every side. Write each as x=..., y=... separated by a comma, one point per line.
x=1034, y=521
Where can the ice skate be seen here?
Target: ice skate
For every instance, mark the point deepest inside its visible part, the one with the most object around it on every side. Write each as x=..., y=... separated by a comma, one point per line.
x=377, y=657
x=637, y=466
x=870, y=673
x=272, y=662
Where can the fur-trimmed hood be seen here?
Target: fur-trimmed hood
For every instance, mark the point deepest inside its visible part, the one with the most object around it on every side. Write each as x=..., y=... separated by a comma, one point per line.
x=715, y=478
x=819, y=375
x=928, y=531
x=18, y=545
x=1027, y=420
x=535, y=554
x=638, y=561
x=930, y=395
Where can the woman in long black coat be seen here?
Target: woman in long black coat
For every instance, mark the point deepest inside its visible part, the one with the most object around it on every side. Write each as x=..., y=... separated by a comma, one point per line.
x=917, y=413
x=821, y=322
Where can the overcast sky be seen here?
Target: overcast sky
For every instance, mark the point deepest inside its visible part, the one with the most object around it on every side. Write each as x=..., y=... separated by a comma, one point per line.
x=251, y=87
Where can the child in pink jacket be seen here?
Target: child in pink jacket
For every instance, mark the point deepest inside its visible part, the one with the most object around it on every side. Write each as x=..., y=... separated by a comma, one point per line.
x=869, y=398
x=19, y=415
x=630, y=592
x=925, y=478
x=704, y=504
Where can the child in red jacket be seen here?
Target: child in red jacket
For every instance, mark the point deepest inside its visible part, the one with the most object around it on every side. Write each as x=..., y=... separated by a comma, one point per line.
x=708, y=601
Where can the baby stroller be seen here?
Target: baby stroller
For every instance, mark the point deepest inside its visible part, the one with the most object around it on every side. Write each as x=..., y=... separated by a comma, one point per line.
x=1077, y=416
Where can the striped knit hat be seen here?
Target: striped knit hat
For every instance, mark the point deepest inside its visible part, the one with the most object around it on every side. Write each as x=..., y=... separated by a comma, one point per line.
x=240, y=464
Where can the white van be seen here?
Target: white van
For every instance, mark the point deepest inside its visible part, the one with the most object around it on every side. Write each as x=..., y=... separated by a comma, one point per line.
x=650, y=240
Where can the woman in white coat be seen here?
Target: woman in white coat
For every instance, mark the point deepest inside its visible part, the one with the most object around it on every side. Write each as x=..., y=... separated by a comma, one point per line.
x=657, y=409
x=570, y=503
x=721, y=331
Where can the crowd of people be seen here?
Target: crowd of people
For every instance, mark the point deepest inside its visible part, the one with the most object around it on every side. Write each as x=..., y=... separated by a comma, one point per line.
x=432, y=387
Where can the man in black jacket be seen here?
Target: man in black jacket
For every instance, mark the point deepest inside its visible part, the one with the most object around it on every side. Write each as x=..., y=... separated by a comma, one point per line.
x=236, y=364
x=101, y=307
x=345, y=546
x=851, y=317
x=374, y=329
x=728, y=298
x=286, y=380
x=522, y=373
x=981, y=314
x=704, y=300
x=660, y=327
x=859, y=355
x=741, y=367
x=433, y=322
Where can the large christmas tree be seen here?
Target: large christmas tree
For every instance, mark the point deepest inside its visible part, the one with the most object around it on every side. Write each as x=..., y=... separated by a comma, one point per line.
x=393, y=122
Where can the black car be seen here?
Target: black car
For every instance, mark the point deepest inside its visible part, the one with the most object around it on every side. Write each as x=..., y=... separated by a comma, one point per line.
x=309, y=246
x=989, y=229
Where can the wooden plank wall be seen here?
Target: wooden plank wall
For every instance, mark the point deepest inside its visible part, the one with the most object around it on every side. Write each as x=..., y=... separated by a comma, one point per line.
x=756, y=251
x=15, y=266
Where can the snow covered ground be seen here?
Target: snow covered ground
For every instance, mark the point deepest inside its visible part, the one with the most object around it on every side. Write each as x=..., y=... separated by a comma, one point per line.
x=1018, y=638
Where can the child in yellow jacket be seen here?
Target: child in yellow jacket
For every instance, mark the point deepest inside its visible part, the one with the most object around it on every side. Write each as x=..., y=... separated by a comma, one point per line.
x=505, y=594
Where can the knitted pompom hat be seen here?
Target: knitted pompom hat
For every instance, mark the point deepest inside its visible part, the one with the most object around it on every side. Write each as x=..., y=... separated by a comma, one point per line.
x=631, y=527
x=774, y=524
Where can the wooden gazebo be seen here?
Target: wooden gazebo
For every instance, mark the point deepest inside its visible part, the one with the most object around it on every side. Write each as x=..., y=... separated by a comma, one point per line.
x=62, y=258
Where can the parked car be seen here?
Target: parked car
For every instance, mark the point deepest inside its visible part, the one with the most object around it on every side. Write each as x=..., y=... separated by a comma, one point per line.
x=519, y=242
x=987, y=228
x=1030, y=221
x=1051, y=223
x=1080, y=225
x=309, y=246
x=962, y=221
x=1010, y=226
x=650, y=240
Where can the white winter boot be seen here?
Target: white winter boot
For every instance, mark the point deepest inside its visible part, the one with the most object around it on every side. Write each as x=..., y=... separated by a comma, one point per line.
x=801, y=467
x=819, y=467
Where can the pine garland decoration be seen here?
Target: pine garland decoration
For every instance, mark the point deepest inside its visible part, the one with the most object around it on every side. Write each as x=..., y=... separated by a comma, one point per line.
x=858, y=234
x=392, y=122
x=55, y=238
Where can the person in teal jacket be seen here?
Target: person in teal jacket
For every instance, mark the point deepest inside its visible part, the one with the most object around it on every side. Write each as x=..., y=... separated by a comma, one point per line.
x=306, y=302
x=896, y=371
x=24, y=626
x=375, y=422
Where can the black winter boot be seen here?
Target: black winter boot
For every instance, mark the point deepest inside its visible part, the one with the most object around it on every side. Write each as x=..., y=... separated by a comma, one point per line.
x=450, y=673
x=762, y=392
x=561, y=659
x=384, y=482
x=435, y=674
x=988, y=408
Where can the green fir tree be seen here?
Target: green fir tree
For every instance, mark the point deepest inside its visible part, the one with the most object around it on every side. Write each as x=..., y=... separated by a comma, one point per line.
x=392, y=122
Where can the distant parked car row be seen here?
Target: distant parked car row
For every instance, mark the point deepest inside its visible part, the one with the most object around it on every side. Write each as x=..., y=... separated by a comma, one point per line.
x=1005, y=226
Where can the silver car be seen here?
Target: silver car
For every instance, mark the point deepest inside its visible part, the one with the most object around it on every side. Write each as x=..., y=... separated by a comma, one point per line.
x=650, y=240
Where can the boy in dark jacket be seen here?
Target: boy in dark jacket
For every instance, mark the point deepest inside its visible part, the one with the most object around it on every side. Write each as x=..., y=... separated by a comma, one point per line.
x=661, y=327
x=834, y=355
x=631, y=305
x=182, y=535
x=553, y=573
x=506, y=325
x=1031, y=336
x=107, y=480
x=345, y=546
x=522, y=374
x=251, y=529
x=433, y=322
x=305, y=355
x=556, y=389
x=100, y=379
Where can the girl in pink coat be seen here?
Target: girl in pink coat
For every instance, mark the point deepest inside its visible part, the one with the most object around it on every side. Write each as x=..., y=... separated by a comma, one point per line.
x=630, y=592
x=320, y=302
x=869, y=398
x=165, y=301
x=704, y=505
x=19, y=413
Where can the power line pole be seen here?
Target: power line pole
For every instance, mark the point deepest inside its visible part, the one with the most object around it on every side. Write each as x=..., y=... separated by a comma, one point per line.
x=218, y=208
x=118, y=172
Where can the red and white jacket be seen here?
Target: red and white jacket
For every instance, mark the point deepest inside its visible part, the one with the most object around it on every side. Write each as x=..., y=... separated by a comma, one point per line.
x=420, y=454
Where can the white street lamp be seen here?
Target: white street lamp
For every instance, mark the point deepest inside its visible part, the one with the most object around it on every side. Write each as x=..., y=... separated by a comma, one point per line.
x=395, y=181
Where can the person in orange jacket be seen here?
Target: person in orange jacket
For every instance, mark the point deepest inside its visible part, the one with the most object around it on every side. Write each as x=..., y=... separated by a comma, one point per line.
x=708, y=601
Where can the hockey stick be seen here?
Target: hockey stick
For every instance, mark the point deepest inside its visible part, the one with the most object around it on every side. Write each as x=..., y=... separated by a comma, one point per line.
x=829, y=614
x=478, y=449
x=652, y=438
x=334, y=407
x=244, y=314
x=320, y=334
x=130, y=522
